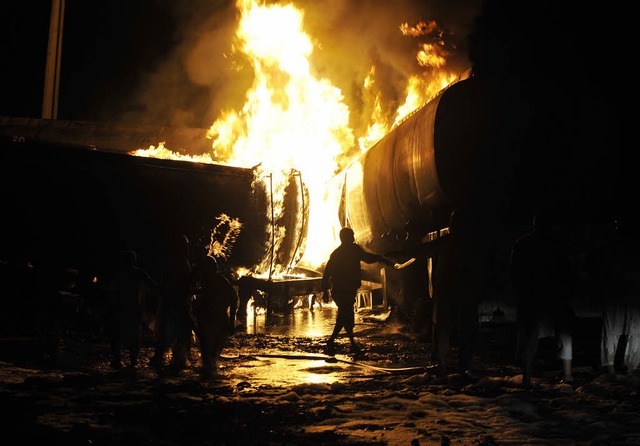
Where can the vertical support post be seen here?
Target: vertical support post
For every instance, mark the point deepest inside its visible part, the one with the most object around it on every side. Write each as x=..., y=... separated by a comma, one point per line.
x=54, y=58
x=383, y=278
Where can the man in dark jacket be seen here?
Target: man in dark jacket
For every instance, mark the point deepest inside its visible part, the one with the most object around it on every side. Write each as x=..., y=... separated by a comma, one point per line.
x=342, y=278
x=543, y=278
x=459, y=284
x=174, y=324
x=214, y=310
x=128, y=292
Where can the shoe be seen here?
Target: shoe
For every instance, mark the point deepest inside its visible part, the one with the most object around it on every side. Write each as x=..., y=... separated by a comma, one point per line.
x=156, y=362
x=355, y=349
x=567, y=379
x=116, y=364
x=178, y=365
x=330, y=349
x=526, y=377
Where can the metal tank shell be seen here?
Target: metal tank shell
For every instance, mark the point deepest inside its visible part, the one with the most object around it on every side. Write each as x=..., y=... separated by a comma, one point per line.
x=412, y=178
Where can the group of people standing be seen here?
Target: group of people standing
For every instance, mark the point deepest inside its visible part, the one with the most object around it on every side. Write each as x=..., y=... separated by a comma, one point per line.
x=194, y=297
x=544, y=273
x=614, y=267
x=191, y=296
x=458, y=285
x=544, y=280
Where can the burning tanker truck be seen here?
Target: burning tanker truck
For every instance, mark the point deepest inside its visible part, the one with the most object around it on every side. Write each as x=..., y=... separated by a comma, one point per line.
x=70, y=205
x=401, y=191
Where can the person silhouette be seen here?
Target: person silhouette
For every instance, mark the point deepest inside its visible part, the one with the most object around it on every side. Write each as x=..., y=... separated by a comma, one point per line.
x=342, y=277
x=128, y=292
x=214, y=309
x=174, y=324
x=459, y=283
x=616, y=269
x=543, y=278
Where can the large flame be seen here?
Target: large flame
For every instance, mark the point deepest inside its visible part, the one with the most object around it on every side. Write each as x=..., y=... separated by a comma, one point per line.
x=293, y=120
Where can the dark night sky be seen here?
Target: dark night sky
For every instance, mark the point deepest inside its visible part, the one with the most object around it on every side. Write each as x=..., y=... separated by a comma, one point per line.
x=165, y=62
x=119, y=55
x=107, y=45
x=558, y=70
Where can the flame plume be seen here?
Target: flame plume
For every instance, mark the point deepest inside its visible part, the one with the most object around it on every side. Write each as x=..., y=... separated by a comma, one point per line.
x=294, y=121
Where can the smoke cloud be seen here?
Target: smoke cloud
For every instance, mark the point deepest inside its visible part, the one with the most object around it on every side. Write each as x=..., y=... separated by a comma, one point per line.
x=201, y=75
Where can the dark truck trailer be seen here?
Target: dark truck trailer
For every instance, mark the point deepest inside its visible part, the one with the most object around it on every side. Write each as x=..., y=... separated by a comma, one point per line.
x=68, y=206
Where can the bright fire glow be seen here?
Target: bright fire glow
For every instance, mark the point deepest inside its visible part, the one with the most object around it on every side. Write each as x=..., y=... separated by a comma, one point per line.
x=293, y=120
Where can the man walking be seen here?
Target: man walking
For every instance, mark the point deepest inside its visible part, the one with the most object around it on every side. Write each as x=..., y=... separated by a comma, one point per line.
x=342, y=278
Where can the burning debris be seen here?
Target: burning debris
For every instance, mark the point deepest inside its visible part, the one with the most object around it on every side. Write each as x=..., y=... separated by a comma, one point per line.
x=297, y=129
x=295, y=119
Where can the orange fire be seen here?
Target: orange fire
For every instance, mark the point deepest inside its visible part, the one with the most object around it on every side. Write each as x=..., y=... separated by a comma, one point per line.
x=294, y=120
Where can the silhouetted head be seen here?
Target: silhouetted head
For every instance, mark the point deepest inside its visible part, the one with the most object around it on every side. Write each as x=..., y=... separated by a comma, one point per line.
x=179, y=244
x=542, y=221
x=622, y=227
x=454, y=218
x=347, y=236
x=202, y=257
x=128, y=258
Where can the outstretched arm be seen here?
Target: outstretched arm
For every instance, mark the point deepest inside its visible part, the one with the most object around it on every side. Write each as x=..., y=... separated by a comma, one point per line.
x=369, y=257
x=427, y=249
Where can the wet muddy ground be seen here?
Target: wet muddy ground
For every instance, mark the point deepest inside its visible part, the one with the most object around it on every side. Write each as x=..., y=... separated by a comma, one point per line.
x=274, y=386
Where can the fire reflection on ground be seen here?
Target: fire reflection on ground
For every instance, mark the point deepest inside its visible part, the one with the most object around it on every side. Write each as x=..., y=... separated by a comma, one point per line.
x=275, y=351
x=292, y=352
x=300, y=322
x=280, y=370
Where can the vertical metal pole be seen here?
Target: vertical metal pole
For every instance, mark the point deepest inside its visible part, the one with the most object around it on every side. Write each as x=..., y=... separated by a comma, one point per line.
x=385, y=290
x=54, y=58
x=300, y=234
x=273, y=229
x=273, y=238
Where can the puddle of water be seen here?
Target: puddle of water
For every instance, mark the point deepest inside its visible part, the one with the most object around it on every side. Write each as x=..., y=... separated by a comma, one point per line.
x=293, y=369
x=286, y=368
x=281, y=371
x=269, y=366
x=303, y=322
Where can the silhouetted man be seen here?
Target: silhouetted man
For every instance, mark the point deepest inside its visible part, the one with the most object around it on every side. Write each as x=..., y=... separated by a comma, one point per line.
x=128, y=292
x=214, y=310
x=543, y=277
x=174, y=307
x=459, y=284
x=342, y=277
